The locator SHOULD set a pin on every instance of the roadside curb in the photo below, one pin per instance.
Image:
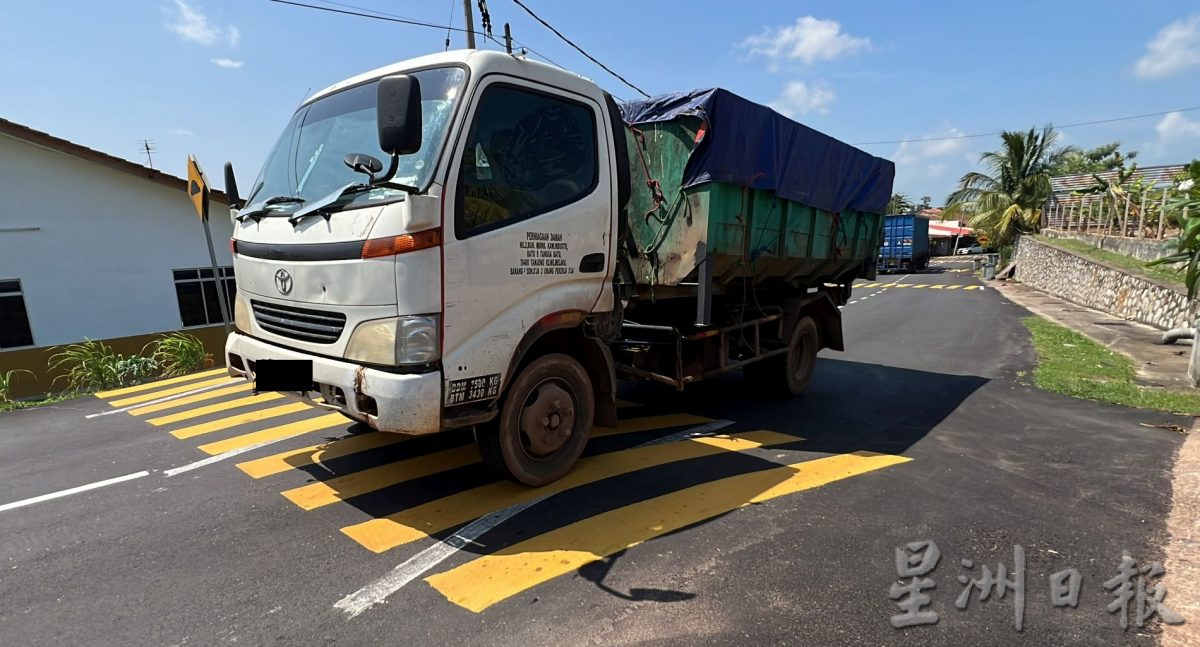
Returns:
(1182, 561)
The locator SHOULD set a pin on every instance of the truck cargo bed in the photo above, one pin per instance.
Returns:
(763, 196)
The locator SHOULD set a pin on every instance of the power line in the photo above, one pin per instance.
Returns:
(579, 49)
(388, 17)
(994, 134)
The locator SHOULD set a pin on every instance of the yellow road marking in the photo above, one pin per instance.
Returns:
(322, 493)
(937, 287)
(918, 286)
(340, 488)
(192, 399)
(973, 287)
(953, 287)
(275, 433)
(154, 385)
(240, 419)
(188, 414)
(487, 580)
(379, 535)
(646, 423)
(315, 454)
(868, 285)
(146, 397)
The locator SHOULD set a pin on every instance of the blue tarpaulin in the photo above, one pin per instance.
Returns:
(750, 145)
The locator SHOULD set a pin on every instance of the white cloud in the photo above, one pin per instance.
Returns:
(809, 40)
(911, 152)
(1174, 125)
(191, 24)
(799, 98)
(1173, 49)
(183, 132)
(227, 63)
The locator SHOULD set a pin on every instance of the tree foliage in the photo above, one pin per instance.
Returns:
(900, 203)
(1188, 249)
(1006, 199)
(1072, 160)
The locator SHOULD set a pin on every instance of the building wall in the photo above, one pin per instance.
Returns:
(94, 247)
(1101, 286)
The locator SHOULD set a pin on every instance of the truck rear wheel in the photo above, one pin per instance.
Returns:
(789, 373)
(543, 423)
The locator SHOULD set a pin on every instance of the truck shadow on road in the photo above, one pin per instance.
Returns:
(853, 412)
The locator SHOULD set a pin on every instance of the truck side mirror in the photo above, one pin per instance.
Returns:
(399, 115)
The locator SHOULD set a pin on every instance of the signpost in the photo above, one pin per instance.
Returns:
(198, 192)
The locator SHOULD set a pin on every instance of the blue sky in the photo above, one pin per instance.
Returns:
(219, 78)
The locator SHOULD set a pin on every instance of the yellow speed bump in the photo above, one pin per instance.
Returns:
(482, 582)
(157, 383)
(409, 525)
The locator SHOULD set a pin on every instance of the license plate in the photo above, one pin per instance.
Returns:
(283, 375)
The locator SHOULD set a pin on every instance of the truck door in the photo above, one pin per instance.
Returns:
(528, 221)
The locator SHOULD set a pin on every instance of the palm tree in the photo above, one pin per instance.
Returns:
(1007, 199)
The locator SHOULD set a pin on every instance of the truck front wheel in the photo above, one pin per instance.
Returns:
(543, 423)
(788, 373)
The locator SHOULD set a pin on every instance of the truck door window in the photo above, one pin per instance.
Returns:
(527, 153)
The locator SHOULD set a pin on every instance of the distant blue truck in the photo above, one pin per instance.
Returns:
(905, 245)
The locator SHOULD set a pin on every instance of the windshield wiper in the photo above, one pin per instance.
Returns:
(326, 206)
(266, 210)
(284, 199)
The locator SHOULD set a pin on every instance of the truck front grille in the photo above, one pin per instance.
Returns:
(318, 326)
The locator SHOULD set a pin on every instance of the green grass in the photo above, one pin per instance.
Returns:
(1133, 265)
(1071, 364)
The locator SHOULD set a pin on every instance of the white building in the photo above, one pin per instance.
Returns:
(98, 247)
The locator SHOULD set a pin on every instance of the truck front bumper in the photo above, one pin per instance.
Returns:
(407, 403)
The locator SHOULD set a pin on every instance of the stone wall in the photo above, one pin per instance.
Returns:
(1100, 286)
(1140, 248)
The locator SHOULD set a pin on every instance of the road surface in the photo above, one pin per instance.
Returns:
(256, 520)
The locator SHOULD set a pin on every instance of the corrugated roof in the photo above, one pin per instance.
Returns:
(1064, 185)
(46, 140)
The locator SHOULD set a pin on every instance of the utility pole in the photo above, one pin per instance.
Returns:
(470, 24)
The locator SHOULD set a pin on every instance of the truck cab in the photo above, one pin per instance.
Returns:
(428, 232)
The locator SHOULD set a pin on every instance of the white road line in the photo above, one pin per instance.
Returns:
(416, 566)
(419, 564)
(229, 454)
(166, 399)
(74, 490)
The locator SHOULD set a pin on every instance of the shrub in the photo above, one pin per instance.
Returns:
(178, 353)
(94, 365)
(6, 382)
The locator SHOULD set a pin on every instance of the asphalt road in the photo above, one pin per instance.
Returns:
(783, 533)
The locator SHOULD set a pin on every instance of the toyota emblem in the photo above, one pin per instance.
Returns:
(283, 281)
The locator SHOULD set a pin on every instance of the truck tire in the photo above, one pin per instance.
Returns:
(543, 423)
(788, 374)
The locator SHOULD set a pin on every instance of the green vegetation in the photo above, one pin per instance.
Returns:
(1132, 265)
(1188, 205)
(178, 354)
(7, 379)
(92, 365)
(1071, 364)
(1071, 160)
(1007, 200)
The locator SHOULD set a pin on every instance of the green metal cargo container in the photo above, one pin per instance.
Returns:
(746, 231)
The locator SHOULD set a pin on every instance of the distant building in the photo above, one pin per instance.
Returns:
(95, 246)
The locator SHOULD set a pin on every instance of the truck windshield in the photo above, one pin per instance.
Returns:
(306, 162)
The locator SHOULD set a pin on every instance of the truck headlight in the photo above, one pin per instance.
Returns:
(396, 341)
(241, 314)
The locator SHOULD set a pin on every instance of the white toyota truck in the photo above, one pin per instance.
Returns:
(473, 239)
